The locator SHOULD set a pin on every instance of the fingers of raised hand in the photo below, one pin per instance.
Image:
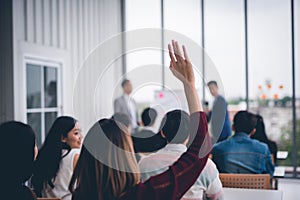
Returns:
(177, 51)
(185, 53)
(171, 54)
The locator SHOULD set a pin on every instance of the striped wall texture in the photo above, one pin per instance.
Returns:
(76, 27)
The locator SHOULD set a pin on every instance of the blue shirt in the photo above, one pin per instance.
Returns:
(220, 124)
(241, 154)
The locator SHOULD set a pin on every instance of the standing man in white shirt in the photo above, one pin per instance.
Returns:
(126, 104)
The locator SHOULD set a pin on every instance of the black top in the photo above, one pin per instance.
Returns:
(147, 141)
(273, 149)
(19, 193)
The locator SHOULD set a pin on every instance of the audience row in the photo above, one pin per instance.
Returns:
(115, 177)
(119, 160)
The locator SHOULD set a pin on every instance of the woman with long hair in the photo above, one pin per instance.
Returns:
(261, 135)
(57, 159)
(17, 155)
(107, 168)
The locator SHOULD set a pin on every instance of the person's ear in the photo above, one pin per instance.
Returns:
(186, 140)
(232, 127)
(63, 139)
(252, 132)
(36, 151)
(162, 134)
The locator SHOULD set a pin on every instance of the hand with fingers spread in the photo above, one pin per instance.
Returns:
(181, 67)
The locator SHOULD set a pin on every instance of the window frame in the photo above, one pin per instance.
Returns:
(43, 63)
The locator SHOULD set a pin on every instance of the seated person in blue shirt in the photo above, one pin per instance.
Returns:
(241, 154)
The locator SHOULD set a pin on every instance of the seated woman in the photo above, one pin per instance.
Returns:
(107, 168)
(17, 155)
(57, 159)
(261, 135)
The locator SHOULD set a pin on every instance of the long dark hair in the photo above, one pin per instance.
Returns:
(260, 133)
(16, 152)
(50, 155)
(92, 179)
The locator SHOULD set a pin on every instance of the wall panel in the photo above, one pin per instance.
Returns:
(73, 26)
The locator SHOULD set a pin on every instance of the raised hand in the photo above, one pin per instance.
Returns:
(181, 67)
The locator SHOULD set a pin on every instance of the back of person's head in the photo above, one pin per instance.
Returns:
(50, 155)
(244, 121)
(260, 133)
(107, 166)
(122, 118)
(149, 116)
(212, 83)
(17, 152)
(175, 126)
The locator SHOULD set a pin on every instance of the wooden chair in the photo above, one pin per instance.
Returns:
(250, 181)
(48, 199)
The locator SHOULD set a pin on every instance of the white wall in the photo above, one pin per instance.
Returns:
(66, 31)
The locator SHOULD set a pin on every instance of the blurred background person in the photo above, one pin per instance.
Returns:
(240, 154)
(260, 135)
(126, 104)
(145, 139)
(218, 116)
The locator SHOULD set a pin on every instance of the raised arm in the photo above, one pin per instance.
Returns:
(173, 183)
(182, 69)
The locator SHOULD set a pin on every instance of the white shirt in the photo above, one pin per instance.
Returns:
(62, 179)
(132, 110)
(208, 182)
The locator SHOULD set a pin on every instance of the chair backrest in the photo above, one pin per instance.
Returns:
(48, 199)
(251, 181)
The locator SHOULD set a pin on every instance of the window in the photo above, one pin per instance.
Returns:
(224, 43)
(270, 83)
(187, 24)
(43, 97)
(141, 14)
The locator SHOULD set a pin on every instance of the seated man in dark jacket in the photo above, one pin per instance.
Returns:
(241, 154)
(145, 139)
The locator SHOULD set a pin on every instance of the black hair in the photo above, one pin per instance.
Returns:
(212, 82)
(244, 121)
(17, 152)
(175, 126)
(148, 116)
(122, 118)
(124, 82)
(50, 155)
(260, 133)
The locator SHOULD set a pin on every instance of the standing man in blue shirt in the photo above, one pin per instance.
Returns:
(241, 154)
(218, 116)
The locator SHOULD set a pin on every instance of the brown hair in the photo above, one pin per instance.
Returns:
(93, 179)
